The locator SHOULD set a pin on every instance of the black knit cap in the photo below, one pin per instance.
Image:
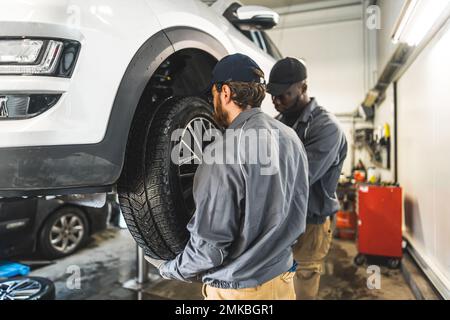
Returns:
(285, 73)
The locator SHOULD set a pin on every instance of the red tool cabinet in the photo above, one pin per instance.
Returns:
(379, 212)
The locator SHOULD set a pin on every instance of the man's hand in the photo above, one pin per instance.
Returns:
(155, 262)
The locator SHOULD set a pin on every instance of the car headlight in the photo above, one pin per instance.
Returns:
(20, 51)
(38, 57)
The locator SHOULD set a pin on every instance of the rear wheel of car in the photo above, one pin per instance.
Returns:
(155, 193)
(27, 288)
(64, 232)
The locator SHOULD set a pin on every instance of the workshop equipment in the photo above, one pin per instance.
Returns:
(12, 269)
(345, 225)
(379, 210)
(345, 218)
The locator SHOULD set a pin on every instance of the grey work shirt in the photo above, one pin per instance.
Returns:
(246, 222)
(326, 147)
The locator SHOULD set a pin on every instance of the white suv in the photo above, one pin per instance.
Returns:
(90, 92)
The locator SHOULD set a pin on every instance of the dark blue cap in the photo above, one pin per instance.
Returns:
(236, 68)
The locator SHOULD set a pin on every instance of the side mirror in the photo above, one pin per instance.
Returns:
(255, 17)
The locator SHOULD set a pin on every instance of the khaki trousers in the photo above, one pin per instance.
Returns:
(310, 252)
(279, 288)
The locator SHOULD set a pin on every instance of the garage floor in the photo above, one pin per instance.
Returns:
(109, 261)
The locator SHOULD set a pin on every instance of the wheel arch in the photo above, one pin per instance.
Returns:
(176, 42)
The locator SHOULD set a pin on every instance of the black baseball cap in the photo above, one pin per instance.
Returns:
(235, 68)
(284, 73)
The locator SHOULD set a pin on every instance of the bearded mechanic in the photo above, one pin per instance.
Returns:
(246, 220)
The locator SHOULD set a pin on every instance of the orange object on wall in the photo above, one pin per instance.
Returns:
(359, 176)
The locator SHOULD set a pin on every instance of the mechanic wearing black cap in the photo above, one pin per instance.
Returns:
(326, 148)
(243, 229)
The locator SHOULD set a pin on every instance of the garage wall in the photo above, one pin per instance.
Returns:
(384, 113)
(333, 52)
(423, 143)
(424, 154)
(331, 43)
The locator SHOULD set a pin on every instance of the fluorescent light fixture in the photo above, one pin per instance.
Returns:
(416, 20)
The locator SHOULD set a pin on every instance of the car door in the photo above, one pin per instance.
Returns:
(17, 219)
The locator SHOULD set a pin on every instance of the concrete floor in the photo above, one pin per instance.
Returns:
(109, 261)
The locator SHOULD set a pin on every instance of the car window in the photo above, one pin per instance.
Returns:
(253, 37)
(263, 41)
(271, 48)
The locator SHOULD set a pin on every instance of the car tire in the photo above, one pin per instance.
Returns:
(75, 233)
(155, 193)
(27, 288)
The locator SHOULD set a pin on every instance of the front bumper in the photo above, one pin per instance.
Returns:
(61, 169)
(66, 149)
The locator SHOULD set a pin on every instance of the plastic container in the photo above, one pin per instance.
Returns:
(12, 269)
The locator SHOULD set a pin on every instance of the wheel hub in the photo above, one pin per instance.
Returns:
(199, 133)
(66, 233)
(21, 289)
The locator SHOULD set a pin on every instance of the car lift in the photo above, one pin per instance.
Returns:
(138, 283)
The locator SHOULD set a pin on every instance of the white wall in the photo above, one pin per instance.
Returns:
(424, 153)
(334, 58)
(331, 43)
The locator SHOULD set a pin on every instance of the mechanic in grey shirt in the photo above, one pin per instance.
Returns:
(326, 148)
(248, 213)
